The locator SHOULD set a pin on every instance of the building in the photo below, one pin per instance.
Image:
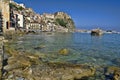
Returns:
(21, 5)
(48, 16)
(34, 26)
(5, 9)
(21, 20)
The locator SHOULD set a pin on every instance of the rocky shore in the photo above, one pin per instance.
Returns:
(26, 66)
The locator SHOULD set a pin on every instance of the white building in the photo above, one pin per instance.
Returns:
(21, 20)
(46, 15)
(35, 26)
(22, 5)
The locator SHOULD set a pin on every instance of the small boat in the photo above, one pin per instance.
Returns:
(96, 32)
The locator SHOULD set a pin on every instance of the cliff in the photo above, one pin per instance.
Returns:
(64, 20)
(59, 21)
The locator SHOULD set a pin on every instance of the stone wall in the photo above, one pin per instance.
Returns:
(6, 14)
(1, 56)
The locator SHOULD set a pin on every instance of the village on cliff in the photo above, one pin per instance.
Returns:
(15, 16)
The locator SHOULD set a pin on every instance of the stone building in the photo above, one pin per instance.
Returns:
(34, 26)
(5, 9)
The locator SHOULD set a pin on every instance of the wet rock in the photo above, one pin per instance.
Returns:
(1, 65)
(10, 76)
(30, 32)
(26, 66)
(67, 77)
(5, 40)
(112, 73)
(39, 47)
(10, 51)
(96, 32)
(117, 75)
(0, 74)
(55, 71)
(116, 61)
(64, 51)
(52, 71)
(21, 61)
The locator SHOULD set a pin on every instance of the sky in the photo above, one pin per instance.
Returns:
(86, 14)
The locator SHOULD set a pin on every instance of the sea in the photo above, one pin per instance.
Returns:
(83, 48)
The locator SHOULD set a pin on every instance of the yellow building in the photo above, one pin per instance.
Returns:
(4, 6)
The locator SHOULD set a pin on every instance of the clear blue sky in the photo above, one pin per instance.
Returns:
(85, 13)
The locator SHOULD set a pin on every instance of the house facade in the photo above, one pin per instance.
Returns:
(20, 21)
(5, 10)
(35, 26)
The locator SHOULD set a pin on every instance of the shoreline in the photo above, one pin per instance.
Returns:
(24, 65)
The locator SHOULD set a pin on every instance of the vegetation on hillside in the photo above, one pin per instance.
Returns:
(15, 7)
(61, 22)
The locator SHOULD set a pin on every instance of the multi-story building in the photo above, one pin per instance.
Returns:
(33, 25)
(12, 19)
(21, 20)
(5, 10)
(48, 16)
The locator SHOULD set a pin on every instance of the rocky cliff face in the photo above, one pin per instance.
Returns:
(64, 20)
(59, 21)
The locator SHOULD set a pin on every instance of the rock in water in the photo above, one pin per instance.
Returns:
(61, 71)
(113, 73)
(64, 51)
(96, 32)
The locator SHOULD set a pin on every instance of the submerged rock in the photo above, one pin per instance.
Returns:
(112, 73)
(26, 66)
(116, 61)
(39, 47)
(64, 51)
(60, 71)
(48, 71)
(21, 61)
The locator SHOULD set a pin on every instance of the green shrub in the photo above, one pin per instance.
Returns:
(13, 6)
(20, 8)
(61, 22)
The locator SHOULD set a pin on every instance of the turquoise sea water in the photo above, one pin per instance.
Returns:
(83, 48)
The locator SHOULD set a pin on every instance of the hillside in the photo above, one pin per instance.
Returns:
(59, 21)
